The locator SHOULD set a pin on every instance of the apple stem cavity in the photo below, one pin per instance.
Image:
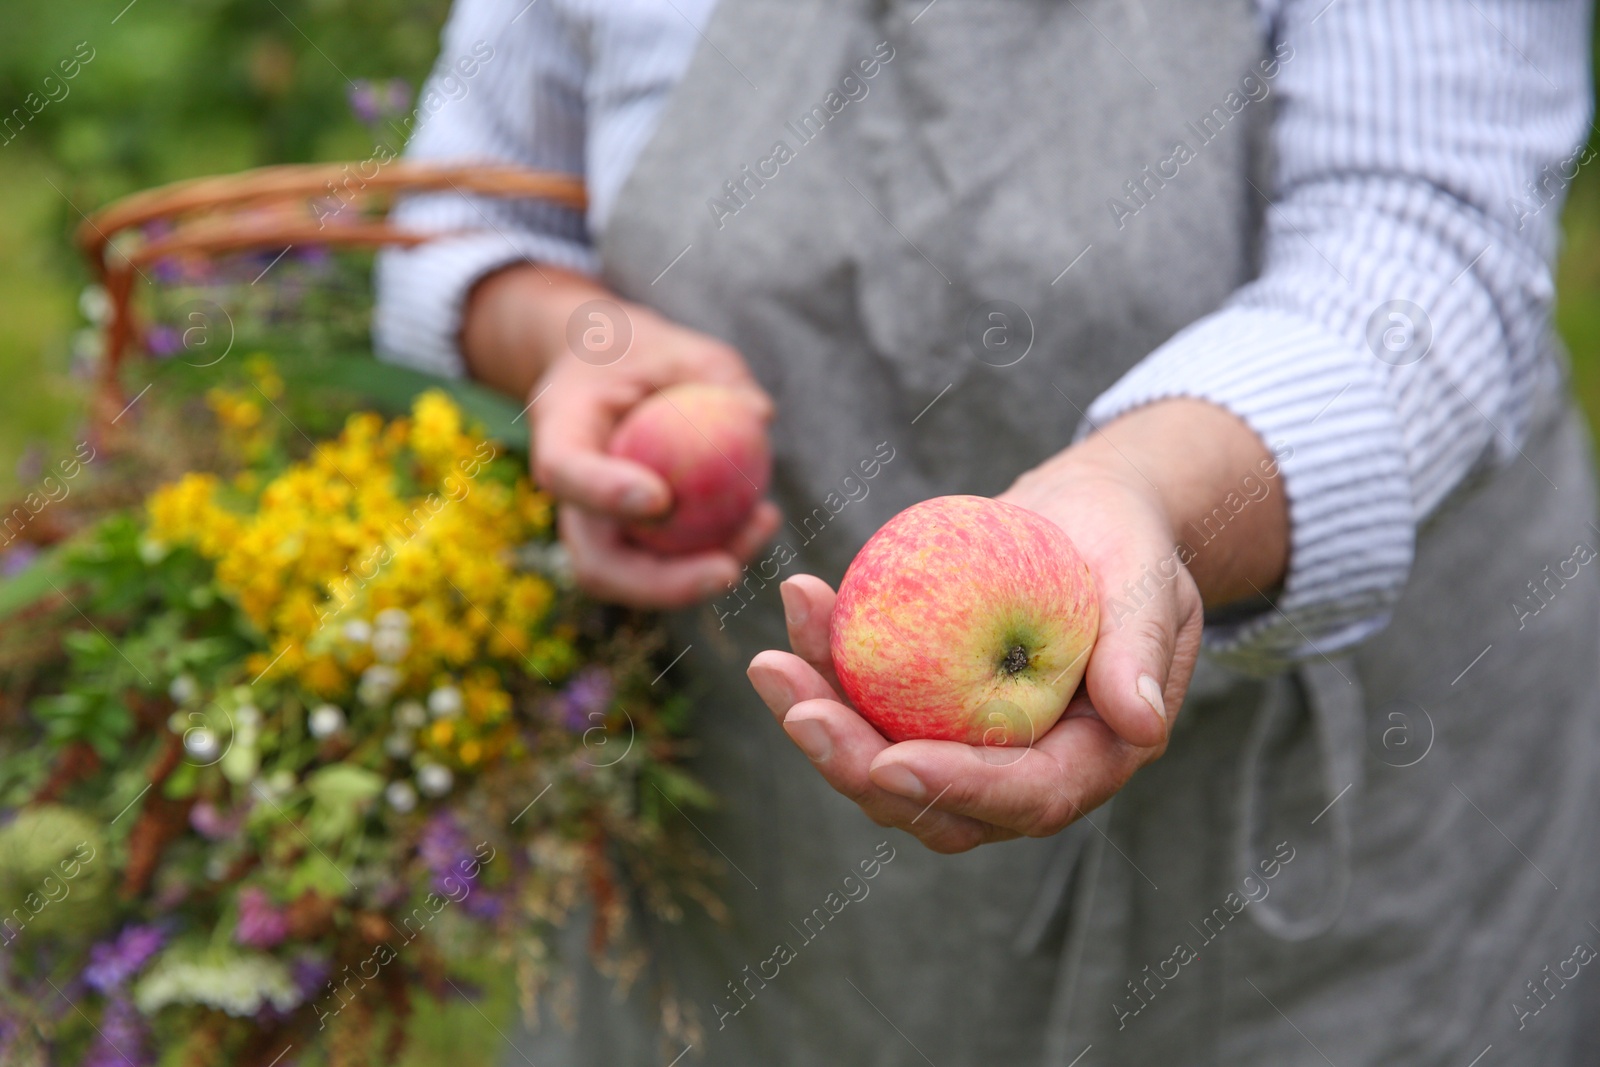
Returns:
(1016, 660)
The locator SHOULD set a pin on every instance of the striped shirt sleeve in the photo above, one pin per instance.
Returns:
(575, 86)
(1398, 332)
(522, 104)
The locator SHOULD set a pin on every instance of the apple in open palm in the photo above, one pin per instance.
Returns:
(964, 619)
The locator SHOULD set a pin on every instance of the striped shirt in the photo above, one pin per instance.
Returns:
(1392, 345)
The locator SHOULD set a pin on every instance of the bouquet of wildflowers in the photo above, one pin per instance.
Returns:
(310, 732)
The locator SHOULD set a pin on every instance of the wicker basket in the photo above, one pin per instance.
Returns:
(275, 207)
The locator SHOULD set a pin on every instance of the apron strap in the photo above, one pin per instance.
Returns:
(1089, 854)
(1331, 694)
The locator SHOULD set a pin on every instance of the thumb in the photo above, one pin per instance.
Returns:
(1141, 663)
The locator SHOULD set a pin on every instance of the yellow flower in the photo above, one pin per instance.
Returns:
(484, 699)
(235, 411)
(352, 530)
(436, 430)
(186, 512)
(324, 676)
(265, 375)
(533, 506)
(527, 598)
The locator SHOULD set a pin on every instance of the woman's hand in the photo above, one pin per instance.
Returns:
(1123, 496)
(519, 335)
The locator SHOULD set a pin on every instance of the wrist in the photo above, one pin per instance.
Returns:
(515, 322)
(1214, 481)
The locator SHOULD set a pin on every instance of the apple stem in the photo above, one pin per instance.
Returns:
(1015, 661)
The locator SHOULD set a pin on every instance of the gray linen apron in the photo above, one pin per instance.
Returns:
(1368, 860)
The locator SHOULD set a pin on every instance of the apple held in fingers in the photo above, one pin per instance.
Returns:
(964, 619)
(709, 443)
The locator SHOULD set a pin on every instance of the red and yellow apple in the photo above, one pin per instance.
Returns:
(964, 619)
(709, 444)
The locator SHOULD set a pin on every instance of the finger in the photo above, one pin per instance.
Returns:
(607, 567)
(757, 532)
(1141, 663)
(759, 401)
(841, 745)
(784, 680)
(705, 359)
(808, 611)
(1038, 791)
(570, 461)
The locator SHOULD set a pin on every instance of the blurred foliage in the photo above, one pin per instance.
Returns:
(177, 88)
(171, 89)
(184, 87)
(1578, 287)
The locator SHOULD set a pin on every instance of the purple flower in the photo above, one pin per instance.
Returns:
(111, 963)
(162, 341)
(317, 257)
(261, 925)
(17, 560)
(309, 971)
(364, 101)
(452, 864)
(397, 96)
(483, 905)
(122, 1039)
(210, 823)
(441, 846)
(372, 102)
(167, 270)
(586, 699)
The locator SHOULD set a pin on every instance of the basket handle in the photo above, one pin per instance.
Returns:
(267, 207)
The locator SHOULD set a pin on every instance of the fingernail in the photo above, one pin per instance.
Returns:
(795, 608)
(812, 737)
(772, 689)
(638, 500)
(1150, 690)
(896, 779)
(759, 402)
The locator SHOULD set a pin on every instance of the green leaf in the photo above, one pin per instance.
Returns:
(33, 584)
(315, 871)
(96, 717)
(331, 382)
(181, 783)
(340, 794)
(394, 388)
(676, 785)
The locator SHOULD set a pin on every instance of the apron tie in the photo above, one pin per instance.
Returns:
(1053, 888)
(1086, 859)
(1331, 695)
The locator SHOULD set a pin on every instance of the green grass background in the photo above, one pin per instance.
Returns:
(180, 88)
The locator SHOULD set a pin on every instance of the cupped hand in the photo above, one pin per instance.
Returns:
(577, 404)
(953, 796)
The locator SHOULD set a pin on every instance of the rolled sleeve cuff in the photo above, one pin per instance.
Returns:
(1322, 408)
(423, 291)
